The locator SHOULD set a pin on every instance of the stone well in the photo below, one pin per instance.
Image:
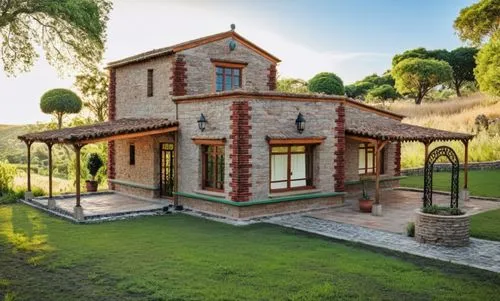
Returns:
(445, 230)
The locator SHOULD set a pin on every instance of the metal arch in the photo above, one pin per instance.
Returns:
(435, 154)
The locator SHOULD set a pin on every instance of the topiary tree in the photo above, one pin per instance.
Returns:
(415, 76)
(59, 102)
(94, 163)
(328, 83)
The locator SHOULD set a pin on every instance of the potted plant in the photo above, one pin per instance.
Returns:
(365, 203)
(94, 163)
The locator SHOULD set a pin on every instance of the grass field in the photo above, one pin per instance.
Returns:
(456, 115)
(178, 257)
(486, 225)
(481, 182)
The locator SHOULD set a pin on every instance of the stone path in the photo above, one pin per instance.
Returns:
(482, 254)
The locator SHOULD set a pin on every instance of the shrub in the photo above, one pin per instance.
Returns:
(7, 174)
(440, 210)
(410, 229)
(328, 83)
(94, 163)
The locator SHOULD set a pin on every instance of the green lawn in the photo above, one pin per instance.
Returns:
(481, 182)
(178, 257)
(486, 225)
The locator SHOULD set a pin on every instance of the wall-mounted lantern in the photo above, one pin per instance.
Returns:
(202, 122)
(300, 122)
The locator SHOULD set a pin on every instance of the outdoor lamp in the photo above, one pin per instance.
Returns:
(202, 122)
(300, 122)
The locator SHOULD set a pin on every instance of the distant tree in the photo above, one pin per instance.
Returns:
(328, 83)
(478, 22)
(72, 33)
(421, 53)
(383, 93)
(462, 61)
(487, 71)
(415, 76)
(292, 85)
(358, 89)
(60, 102)
(93, 87)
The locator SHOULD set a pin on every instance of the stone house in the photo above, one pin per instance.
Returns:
(216, 136)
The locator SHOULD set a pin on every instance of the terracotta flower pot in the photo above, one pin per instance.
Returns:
(91, 186)
(365, 205)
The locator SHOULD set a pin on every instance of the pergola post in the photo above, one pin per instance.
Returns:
(51, 203)
(377, 207)
(28, 194)
(78, 210)
(176, 169)
(426, 146)
(464, 195)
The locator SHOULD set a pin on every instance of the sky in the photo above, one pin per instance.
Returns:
(352, 38)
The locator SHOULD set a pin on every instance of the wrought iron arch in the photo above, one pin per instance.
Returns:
(435, 154)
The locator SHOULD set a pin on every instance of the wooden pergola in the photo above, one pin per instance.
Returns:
(379, 131)
(80, 136)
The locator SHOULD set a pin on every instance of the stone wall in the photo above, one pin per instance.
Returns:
(277, 118)
(451, 231)
(201, 70)
(131, 90)
(218, 115)
(447, 167)
(259, 210)
(356, 189)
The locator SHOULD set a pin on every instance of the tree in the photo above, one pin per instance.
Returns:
(488, 68)
(383, 93)
(415, 76)
(328, 83)
(93, 87)
(479, 21)
(292, 85)
(462, 61)
(358, 89)
(71, 32)
(60, 102)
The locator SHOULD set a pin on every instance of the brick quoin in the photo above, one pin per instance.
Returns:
(397, 160)
(179, 77)
(111, 116)
(271, 77)
(240, 155)
(339, 162)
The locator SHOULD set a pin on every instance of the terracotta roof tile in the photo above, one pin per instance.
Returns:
(99, 130)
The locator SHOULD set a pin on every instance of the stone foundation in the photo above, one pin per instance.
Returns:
(136, 191)
(450, 231)
(258, 210)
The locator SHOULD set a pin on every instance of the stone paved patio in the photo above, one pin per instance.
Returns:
(103, 206)
(398, 208)
(482, 254)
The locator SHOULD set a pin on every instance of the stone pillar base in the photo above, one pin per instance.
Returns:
(51, 203)
(377, 210)
(78, 213)
(464, 195)
(28, 195)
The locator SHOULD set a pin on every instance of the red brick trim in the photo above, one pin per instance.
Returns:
(339, 165)
(112, 95)
(111, 164)
(271, 77)
(240, 155)
(111, 116)
(397, 160)
(179, 77)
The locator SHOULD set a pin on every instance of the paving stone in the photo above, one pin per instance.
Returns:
(482, 254)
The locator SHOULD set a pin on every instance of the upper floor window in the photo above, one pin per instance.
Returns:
(227, 78)
(150, 82)
(291, 167)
